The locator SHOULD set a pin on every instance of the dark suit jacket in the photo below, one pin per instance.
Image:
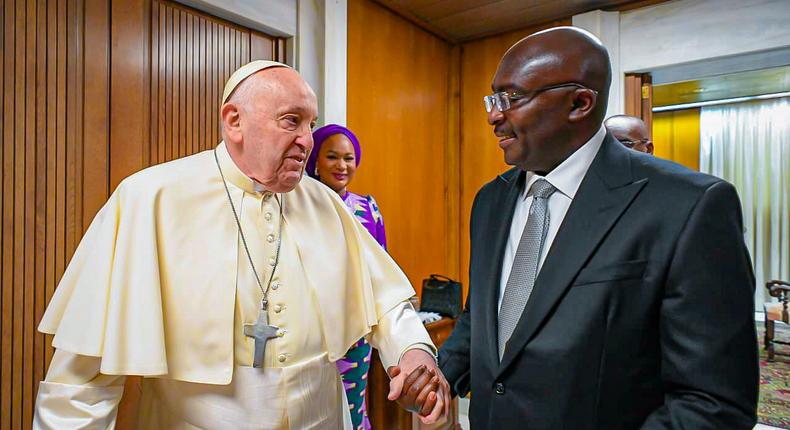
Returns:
(642, 315)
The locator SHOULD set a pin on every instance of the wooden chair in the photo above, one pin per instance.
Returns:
(775, 312)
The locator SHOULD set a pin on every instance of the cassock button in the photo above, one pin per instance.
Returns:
(270, 238)
(281, 358)
(280, 333)
(272, 261)
(278, 308)
(267, 216)
(275, 285)
(500, 388)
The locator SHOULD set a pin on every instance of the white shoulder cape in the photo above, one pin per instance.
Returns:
(151, 287)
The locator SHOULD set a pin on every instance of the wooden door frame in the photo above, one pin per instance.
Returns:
(639, 97)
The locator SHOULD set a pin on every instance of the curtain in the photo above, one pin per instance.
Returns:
(748, 145)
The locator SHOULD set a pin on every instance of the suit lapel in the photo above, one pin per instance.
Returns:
(605, 192)
(499, 218)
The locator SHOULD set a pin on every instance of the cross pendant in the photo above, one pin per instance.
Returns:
(261, 331)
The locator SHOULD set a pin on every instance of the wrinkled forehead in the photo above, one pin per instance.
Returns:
(289, 92)
(304, 103)
(632, 133)
(628, 128)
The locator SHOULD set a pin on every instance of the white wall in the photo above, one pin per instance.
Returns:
(309, 47)
(316, 41)
(335, 61)
(686, 31)
(275, 17)
(606, 25)
(321, 55)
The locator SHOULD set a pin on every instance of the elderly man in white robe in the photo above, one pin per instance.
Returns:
(231, 284)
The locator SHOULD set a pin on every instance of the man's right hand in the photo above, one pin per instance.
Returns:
(419, 392)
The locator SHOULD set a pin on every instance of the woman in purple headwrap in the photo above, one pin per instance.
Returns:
(333, 161)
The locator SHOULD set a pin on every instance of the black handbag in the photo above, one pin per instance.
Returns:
(442, 295)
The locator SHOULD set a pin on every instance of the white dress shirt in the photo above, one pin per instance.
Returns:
(566, 178)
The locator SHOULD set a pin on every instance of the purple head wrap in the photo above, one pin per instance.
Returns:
(322, 134)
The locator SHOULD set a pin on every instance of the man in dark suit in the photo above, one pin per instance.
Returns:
(608, 289)
(631, 131)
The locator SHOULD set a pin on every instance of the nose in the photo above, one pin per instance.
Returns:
(305, 141)
(495, 116)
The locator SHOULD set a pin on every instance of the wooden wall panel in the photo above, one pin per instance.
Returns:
(58, 104)
(54, 159)
(676, 136)
(453, 164)
(398, 83)
(481, 158)
(167, 80)
(129, 81)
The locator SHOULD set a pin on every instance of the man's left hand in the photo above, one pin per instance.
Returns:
(409, 391)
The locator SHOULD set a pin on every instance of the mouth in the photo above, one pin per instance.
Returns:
(505, 140)
(299, 159)
(340, 176)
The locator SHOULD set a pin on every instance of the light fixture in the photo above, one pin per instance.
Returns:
(720, 102)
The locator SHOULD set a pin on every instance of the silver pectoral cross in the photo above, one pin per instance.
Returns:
(261, 331)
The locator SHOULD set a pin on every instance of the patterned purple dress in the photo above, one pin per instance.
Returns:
(355, 365)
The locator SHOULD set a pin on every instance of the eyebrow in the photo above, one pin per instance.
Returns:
(510, 87)
(291, 109)
(332, 151)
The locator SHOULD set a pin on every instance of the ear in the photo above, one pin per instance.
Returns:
(231, 122)
(582, 104)
(650, 148)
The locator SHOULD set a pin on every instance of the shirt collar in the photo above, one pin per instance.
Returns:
(567, 177)
(234, 175)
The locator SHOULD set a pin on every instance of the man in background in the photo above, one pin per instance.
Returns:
(631, 131)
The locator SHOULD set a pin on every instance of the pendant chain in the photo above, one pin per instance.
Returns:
(281, 202)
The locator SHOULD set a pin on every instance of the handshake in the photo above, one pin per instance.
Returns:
(418, 386)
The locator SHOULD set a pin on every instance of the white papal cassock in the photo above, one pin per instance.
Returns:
(160, 286)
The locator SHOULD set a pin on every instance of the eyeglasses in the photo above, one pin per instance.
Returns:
(632, 143)
(504, 100)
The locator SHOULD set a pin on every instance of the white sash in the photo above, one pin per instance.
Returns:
(270, 398)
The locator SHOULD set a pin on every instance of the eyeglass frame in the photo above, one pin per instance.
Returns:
(632, 143)
(493, 100)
